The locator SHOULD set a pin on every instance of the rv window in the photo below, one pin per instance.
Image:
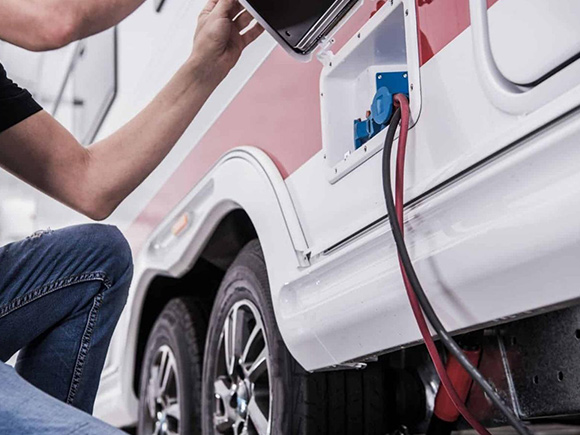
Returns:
(89, 87)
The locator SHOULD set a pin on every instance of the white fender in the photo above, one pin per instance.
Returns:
(262, 195)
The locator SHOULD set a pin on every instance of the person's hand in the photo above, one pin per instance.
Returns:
(218, 43)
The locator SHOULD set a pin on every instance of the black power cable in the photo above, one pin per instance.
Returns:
(432, 317)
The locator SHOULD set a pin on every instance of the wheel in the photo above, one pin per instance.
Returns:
(251, 383)
(170, 387)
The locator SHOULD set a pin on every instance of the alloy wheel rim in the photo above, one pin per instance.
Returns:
(242, 387)
(163, 398)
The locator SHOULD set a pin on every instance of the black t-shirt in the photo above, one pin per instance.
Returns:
(16, 104)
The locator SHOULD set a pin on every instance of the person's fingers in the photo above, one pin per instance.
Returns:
(227, 8)
(243, 20)
(209, 6)
(251, 35)
(236, 10)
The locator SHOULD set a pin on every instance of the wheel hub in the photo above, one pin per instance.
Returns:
(161, 417)
(243, 397)
(242, 386)
(163, 394)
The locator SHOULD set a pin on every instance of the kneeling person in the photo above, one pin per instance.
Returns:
(62, 292)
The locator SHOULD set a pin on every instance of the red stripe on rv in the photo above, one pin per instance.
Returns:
(278, 110)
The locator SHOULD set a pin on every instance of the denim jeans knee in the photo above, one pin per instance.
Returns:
(117, 250)
(106, 249)
(62, 293)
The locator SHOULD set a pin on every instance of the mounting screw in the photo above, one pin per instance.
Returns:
(324, 157)
(335, 170)
(406, 12)
(365, 148)
(411, 87)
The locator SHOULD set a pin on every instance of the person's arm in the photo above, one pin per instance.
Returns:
(48, 24)
(95, 180)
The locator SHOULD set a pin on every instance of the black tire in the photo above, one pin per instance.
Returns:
(334, 403)
(178, 333)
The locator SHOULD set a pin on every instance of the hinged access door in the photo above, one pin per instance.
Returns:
(299, 26)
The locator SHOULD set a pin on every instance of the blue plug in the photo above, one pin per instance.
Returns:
(378, 118)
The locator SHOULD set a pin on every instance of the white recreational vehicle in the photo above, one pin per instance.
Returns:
(267, 296)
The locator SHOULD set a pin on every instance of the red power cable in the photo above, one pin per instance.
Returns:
(402, 102)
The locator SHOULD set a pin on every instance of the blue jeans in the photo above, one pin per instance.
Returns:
(61, 295)
(26, 410)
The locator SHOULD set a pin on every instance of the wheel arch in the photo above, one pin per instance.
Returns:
(224, 214)
(232, 233)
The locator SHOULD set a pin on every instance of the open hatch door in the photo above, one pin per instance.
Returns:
(300, 26)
